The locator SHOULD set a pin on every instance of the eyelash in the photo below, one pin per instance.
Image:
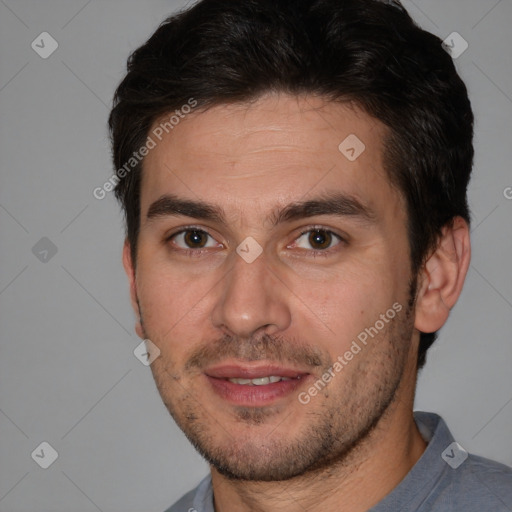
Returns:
(312, 252)
(315, 253)
(189, 252)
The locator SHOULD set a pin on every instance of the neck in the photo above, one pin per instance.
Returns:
(358, 482)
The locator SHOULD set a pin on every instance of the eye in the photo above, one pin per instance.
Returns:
(317, 240)
(193, 239)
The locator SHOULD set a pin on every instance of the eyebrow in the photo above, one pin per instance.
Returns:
(170, 205)
(337, 204)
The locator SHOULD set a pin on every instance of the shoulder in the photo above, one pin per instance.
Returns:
(486, 477)
(184, 504)
(199, 499)
(453, 480)
(478, 484)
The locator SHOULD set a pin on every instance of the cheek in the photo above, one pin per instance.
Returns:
(173, 303)
(343, 305)
(161, 296)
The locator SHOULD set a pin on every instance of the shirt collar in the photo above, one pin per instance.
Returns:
(411, 491)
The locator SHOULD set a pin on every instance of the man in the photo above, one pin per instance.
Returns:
(294, 176)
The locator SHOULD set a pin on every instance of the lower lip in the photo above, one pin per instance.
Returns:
(255, 396)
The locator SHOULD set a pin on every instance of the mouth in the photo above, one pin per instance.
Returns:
(260, 381)
(254, 385)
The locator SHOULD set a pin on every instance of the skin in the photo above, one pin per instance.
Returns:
(296, 303)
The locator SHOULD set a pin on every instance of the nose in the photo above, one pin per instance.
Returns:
(253, 300)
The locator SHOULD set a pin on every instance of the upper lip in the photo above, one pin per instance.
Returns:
(252, 371)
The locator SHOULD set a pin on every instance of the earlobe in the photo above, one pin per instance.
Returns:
(442, 277)
(130, 272)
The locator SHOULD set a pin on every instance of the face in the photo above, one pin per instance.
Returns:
(273, 275)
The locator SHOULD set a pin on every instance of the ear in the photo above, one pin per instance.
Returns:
(442, 277)
(130, 272)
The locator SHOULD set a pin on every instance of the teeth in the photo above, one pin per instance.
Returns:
(260, 381)
(241, 381)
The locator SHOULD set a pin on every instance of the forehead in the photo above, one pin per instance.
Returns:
(252, 157)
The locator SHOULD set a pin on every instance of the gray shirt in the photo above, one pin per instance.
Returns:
(445, 479)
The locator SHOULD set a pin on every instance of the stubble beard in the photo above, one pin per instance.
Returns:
(341, 418)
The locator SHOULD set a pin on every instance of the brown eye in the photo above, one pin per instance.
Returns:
(195, 239)
(320, 239)
(317, 240)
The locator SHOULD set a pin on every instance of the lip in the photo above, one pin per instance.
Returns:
(252, 371)
(253, 396)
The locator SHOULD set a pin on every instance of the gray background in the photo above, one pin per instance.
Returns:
(68, 375)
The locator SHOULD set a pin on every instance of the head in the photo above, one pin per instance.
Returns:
(243, 110)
